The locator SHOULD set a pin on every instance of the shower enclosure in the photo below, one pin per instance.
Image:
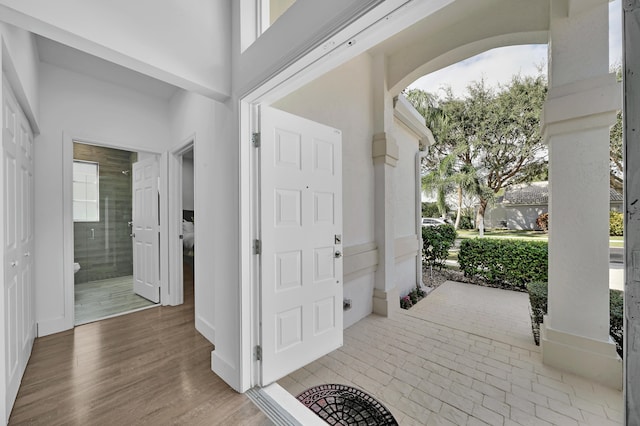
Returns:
(102, 243)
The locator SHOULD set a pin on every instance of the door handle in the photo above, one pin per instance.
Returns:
(337, 254)
(132, 235)
(27, 254)
(14, 263)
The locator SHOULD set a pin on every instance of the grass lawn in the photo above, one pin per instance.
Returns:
(522, 235)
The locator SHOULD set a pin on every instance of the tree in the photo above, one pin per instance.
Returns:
(437, 176)
(616, 168)
(494, 137)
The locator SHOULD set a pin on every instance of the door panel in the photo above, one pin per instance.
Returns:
(18, 190)
(301, 215)
(146, 242)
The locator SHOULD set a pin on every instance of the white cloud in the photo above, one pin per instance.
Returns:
(615, 32)
(497, 66)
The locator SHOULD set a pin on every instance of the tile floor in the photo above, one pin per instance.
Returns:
(462, 356)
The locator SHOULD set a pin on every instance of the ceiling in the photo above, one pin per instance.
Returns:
(66, 57)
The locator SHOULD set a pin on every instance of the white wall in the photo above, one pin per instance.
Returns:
(187, 184)
(216, 216)
(405, 177)
(21, 67)
(82, 107)
(186, 43)
(405, 208)
(303, 25)
(343, 99)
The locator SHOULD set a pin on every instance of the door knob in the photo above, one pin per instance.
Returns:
(27, 254)
(132, 235)
(14, 263)
(337, 254)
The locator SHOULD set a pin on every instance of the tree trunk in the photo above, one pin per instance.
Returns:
(480, 217)
(459, 212)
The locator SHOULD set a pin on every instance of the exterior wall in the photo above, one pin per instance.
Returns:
(91, 109)
(186, 43)
(405, 209)
(514, 217)
(524, 217)
(342, 99)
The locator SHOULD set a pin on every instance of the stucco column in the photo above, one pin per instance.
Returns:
(385, 156)
(581, 106)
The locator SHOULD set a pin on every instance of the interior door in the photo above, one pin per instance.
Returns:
(301, 242)
(17, 175)
(146, 226)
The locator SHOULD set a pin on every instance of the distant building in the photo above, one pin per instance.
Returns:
(521, 205)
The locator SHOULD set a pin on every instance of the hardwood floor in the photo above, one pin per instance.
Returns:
(96, 300)
(148, 367)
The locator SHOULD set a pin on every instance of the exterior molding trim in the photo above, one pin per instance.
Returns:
(593, 359)
(407, 248)
(385, 149)
(410, 117)
(360, 260)
(586, 104)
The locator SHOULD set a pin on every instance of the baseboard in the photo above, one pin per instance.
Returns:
(206, 329)
(226, 371)
(45, 328)
(582, 356)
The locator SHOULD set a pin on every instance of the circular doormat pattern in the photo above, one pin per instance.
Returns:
(346, 405)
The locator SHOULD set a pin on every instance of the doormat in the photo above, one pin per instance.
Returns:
(346, 405)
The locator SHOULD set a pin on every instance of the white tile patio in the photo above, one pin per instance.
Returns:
(462, 356)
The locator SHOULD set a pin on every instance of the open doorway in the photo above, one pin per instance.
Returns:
(102, 233)
(188, 219)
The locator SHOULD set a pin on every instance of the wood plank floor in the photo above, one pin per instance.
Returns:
(95, 300)
(148, 367)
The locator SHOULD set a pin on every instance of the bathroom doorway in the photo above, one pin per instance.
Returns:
(188, 217)
(102, 229)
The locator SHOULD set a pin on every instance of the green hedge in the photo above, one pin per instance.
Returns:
(616, 317)
(436, 242)
(616, 223)
(513, 263)
(538, 300)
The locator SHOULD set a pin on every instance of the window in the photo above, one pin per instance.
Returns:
(85, 191)
(257, 16)
(272, 10)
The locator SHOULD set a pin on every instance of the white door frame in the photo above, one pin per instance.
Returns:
(175, 294)
(387, 19)
(67, 321)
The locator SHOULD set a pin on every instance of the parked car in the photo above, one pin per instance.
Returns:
(433, 221)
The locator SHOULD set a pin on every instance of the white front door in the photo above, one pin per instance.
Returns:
(18, 189)
(301, 242)
(146, 226)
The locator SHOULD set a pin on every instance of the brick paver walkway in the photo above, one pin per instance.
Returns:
(462, 356)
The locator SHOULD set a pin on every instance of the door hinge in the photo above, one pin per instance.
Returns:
(255, 139)
(258, 353)
(257, 247)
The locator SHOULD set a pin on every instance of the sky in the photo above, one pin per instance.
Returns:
(497, 66)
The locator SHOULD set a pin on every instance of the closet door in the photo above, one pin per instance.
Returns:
(17, 176)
